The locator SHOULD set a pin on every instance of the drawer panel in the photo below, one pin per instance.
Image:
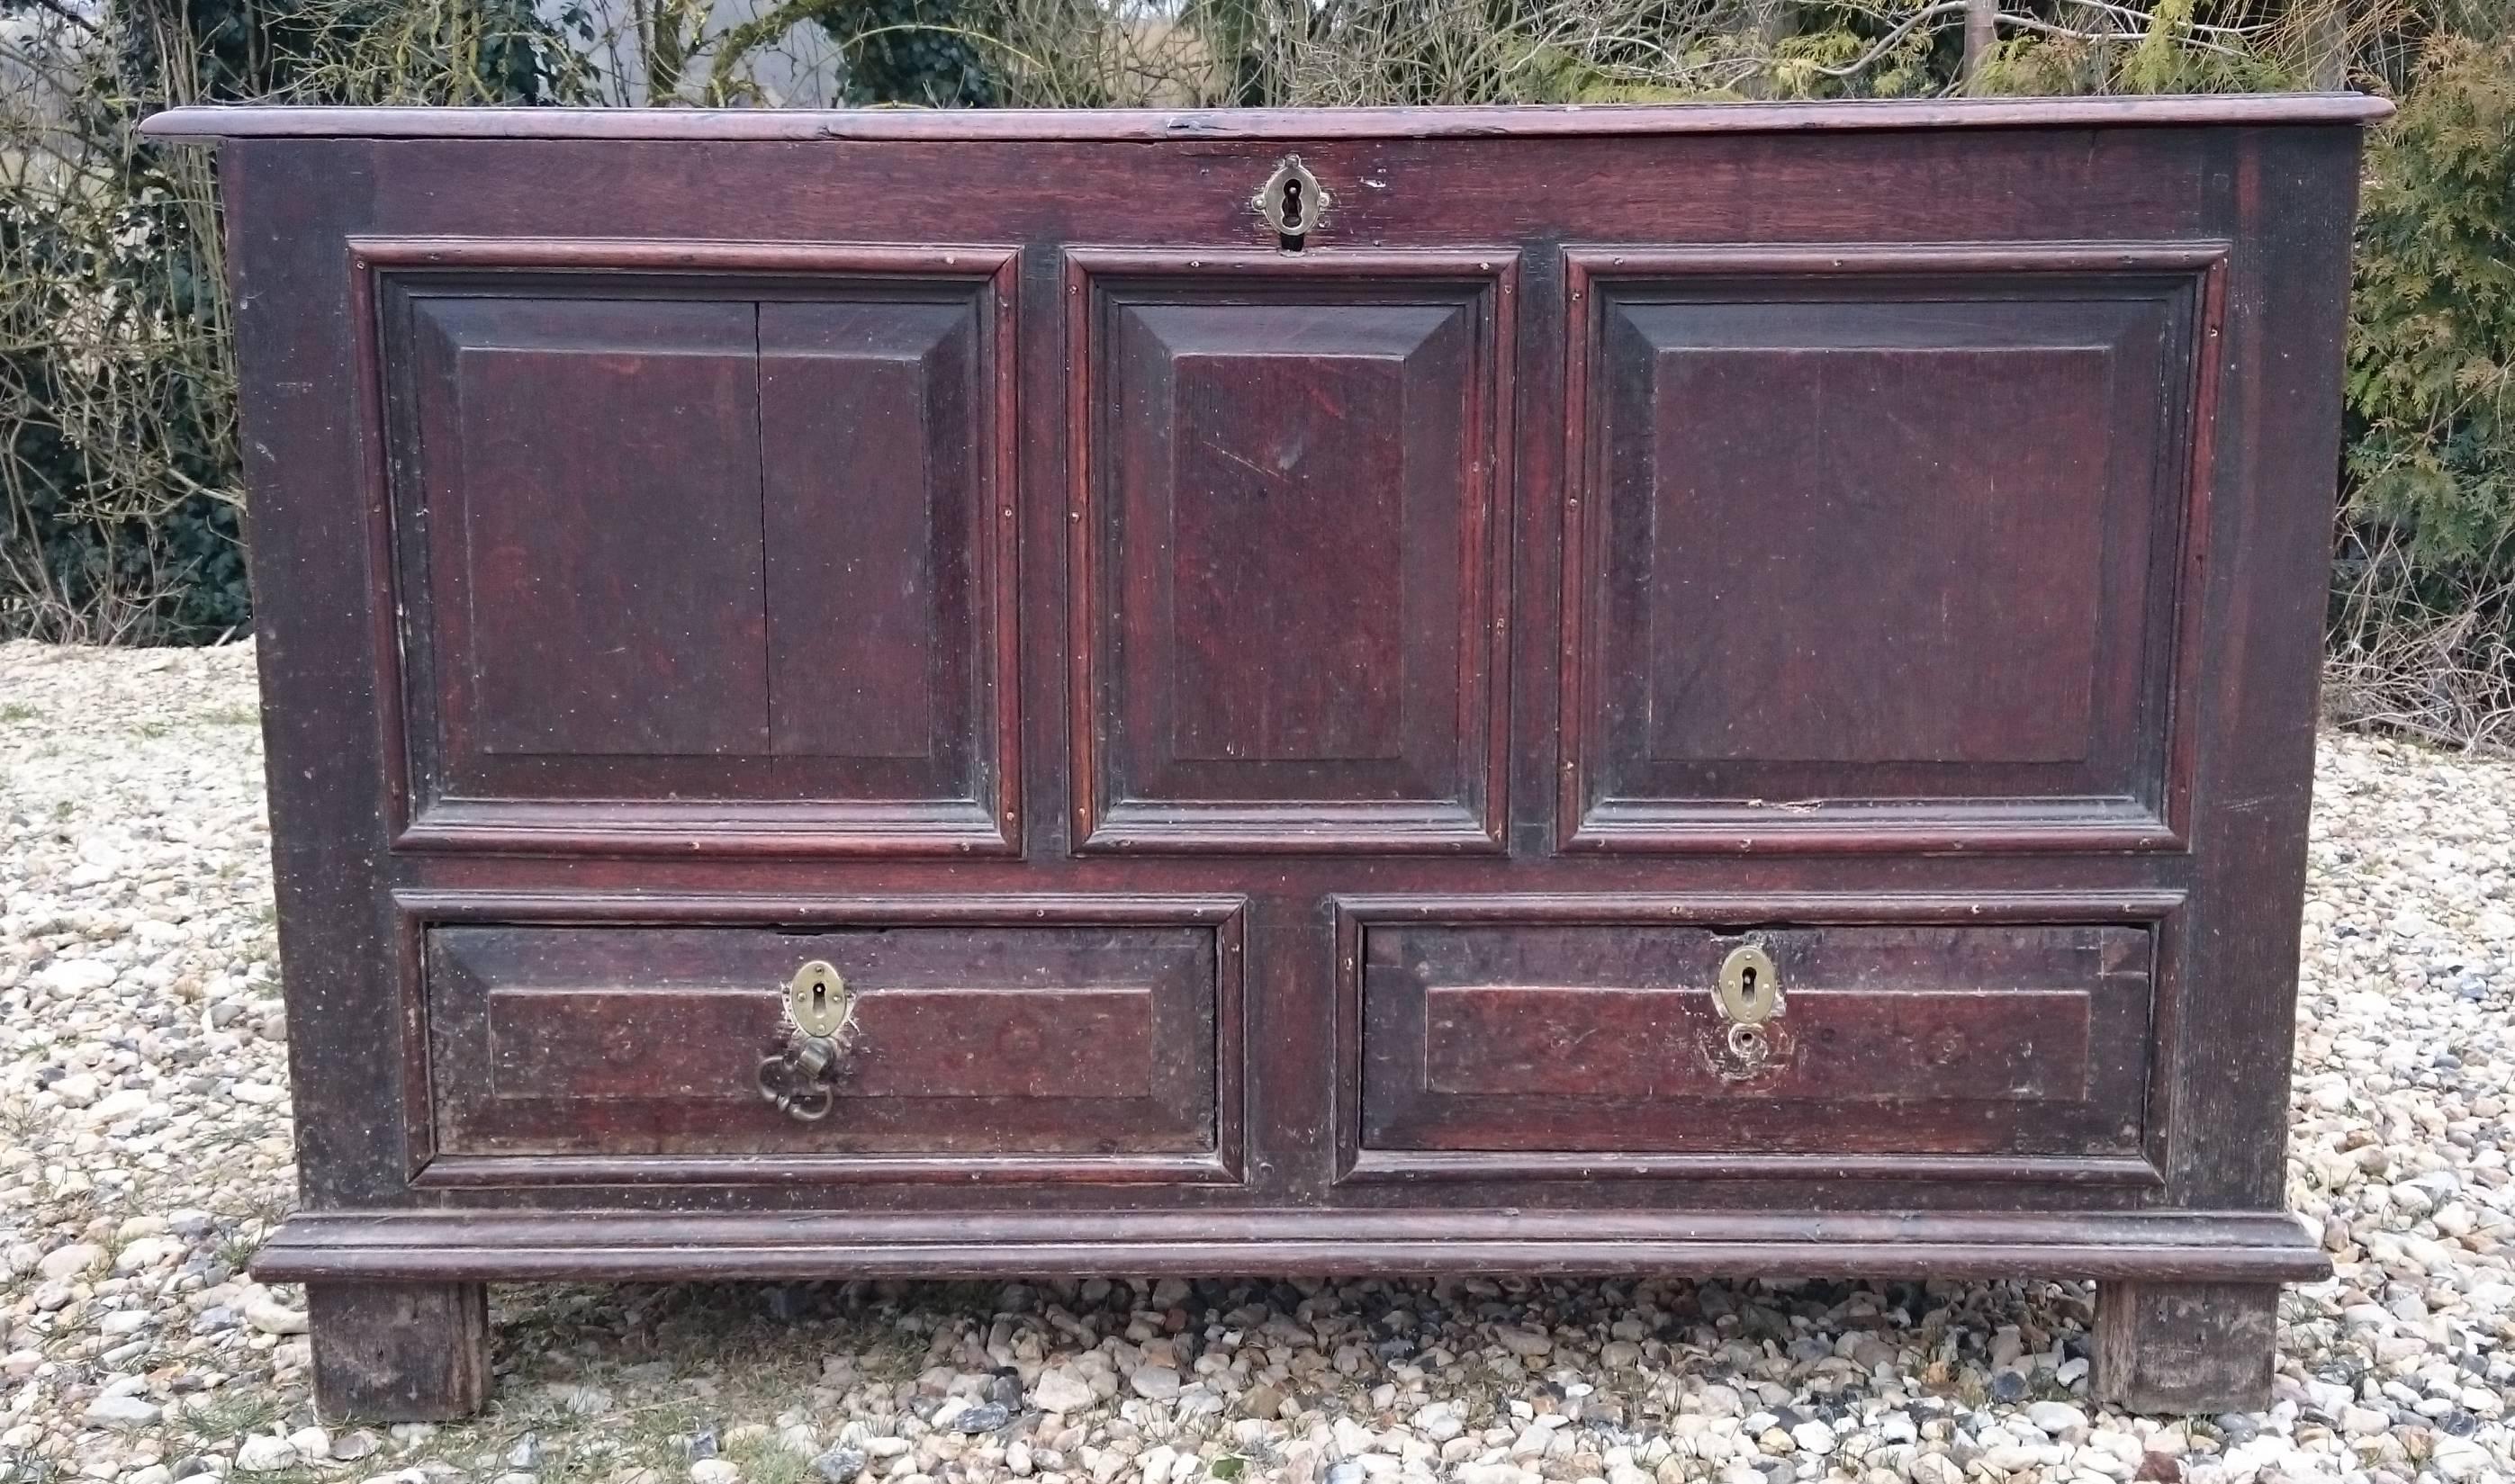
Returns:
(975, 1041)
(1891, 1039)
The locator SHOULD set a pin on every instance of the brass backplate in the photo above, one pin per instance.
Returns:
(1292, 200)
(818, 1001)
(1751, 989)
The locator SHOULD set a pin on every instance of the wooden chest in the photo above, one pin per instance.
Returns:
(1718, 690)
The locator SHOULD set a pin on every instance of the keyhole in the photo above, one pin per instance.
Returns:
(820, 997)
(1747, 982)
(1291, 206)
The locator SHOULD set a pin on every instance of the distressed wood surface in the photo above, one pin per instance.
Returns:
(398, 1352)
(974, 1040)
(1138, 124)
(2185, 1347)
(1282, 735)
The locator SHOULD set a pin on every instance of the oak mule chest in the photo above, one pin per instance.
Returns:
(1713, 689)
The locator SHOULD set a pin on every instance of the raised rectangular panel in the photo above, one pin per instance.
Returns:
(885, 602)
(1878, 547)
(1288, 553)
(636, 1043)
(1923, 1041)
(634, 429)
(708, 559)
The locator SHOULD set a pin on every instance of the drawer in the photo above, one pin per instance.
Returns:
(1888, 1039)
(967, 1041)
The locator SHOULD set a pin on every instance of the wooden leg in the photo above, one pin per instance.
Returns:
(2186, 1347)
(400, 1352)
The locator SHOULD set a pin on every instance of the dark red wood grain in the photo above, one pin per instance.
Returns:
(1889, 1039)
(1282, 737)
(987, 1039)
(1143, 124)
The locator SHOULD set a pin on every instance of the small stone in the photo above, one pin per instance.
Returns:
(986, 1417)
(352, 1446)
(2055, 1418)
(2461, 1459)
(1154, 1383)
(261, 1453)
(70, 1262)
(582, 1401)
(120, 1412)
(1061, 1391)
(117, 1105)
(713, 1471)
(840, 1465)
(310, 1443)
(273, 1317)
(2008, 1386)
(1527, 1343)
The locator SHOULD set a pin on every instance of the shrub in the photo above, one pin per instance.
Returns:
(2431, 383)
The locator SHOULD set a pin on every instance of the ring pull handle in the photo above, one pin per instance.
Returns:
(783, 1085)
(798, 1080)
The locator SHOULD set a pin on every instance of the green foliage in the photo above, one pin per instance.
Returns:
(2431, 383)
(344, 51)
(919, 52)
(119, 487)
(83, 425)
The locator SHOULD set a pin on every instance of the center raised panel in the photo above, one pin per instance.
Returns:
(1288, 552)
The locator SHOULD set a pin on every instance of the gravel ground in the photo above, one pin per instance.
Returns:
(145, 1148)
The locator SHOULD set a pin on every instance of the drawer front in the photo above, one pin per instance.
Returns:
(973, 1041)
(1887, 1040)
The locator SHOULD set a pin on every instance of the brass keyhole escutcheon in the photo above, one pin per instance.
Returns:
(818, 1001)
(1750, 988)
(1292, 200)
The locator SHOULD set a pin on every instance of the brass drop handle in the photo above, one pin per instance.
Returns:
(820, 1017)
(1749, 994)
